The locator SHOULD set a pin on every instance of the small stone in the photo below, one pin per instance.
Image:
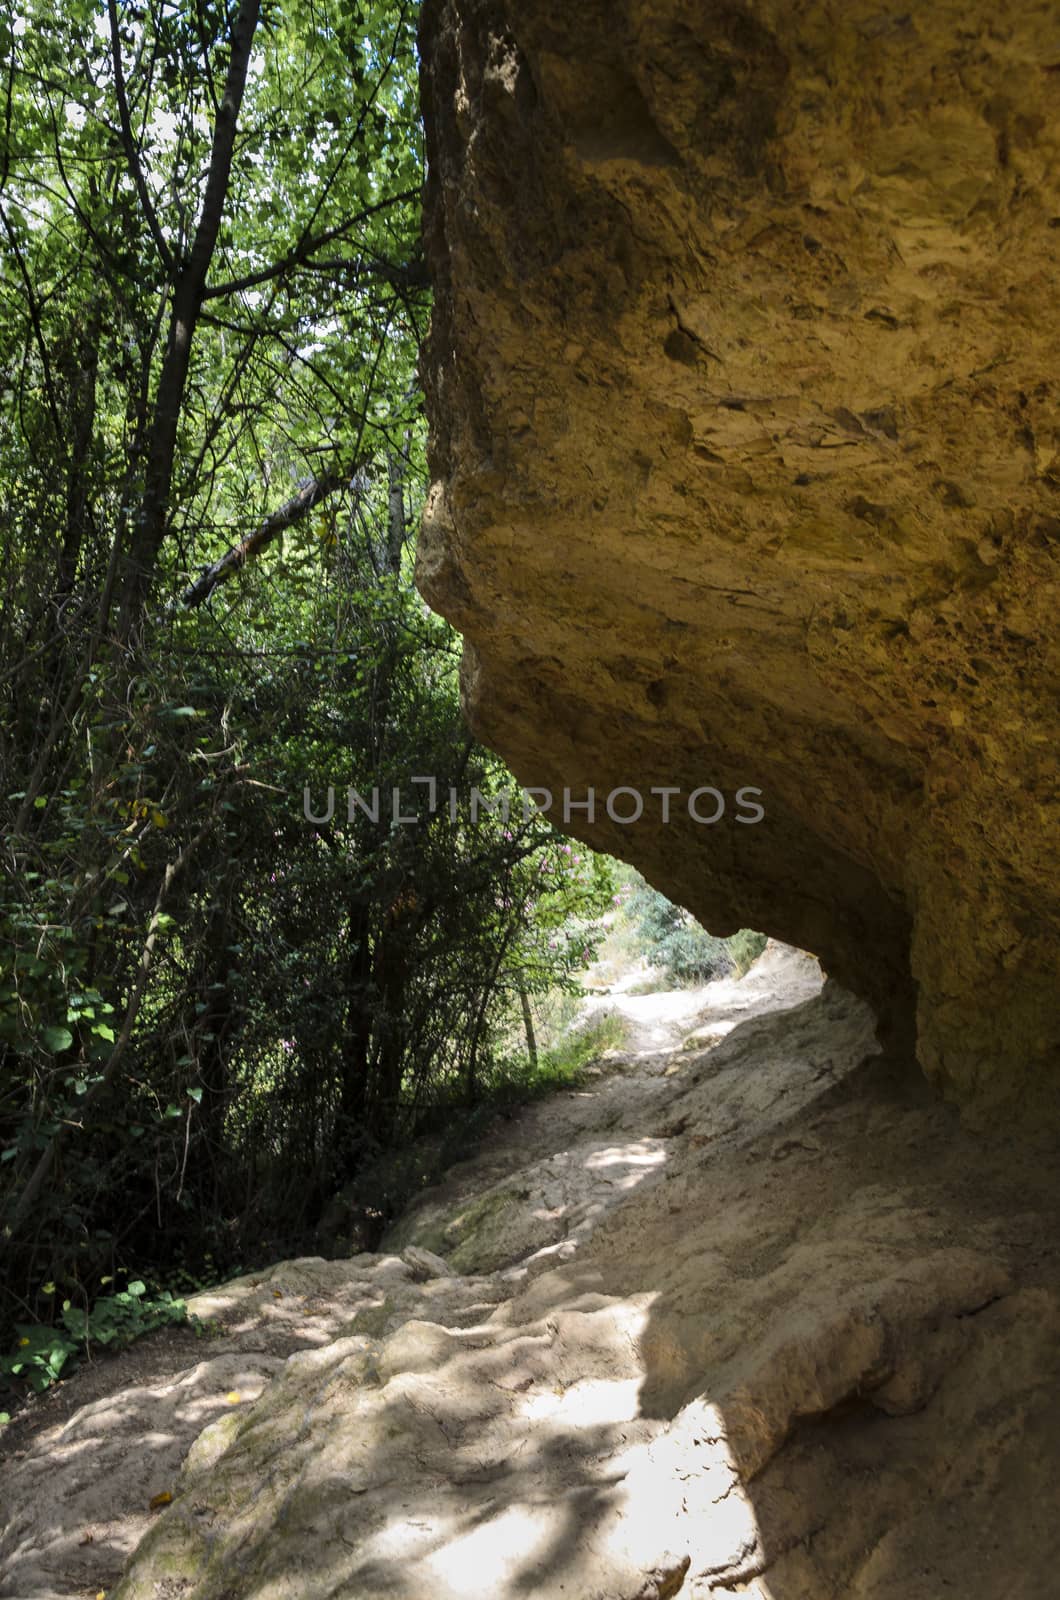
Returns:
(425, 1264)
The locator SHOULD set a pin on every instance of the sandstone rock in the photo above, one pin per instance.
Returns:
(526, 1218)
(743, 389)
(425, 1264)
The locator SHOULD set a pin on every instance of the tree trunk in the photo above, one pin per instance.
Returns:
(83, 377)
(397, 525)
(356, 1064)
(528, 1026)
(188, 292)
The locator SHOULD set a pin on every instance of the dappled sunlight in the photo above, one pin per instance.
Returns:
(643, 1154)
(85, 1492)
(517, 1539)
(533, 1486)
(654, 1415)
(571, 1483)
(684, 1489)
(593, 1402)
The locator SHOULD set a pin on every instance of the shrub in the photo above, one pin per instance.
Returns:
(41, 1353)
(745, 948)
(674, 941)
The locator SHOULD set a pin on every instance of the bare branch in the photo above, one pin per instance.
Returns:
(302, 252)
(132, 155)
(308, 496)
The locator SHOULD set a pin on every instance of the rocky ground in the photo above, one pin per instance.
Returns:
(749, 1313)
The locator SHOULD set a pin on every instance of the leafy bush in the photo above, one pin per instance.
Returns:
(673, 941)
(41, 1353)
(562, 1065)
(745, 948)
(451, 1130)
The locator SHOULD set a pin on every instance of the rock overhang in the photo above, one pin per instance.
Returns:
(742, 383)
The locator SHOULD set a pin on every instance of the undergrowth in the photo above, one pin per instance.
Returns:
(561, 1066)
(43, 1354)
(451, 1131)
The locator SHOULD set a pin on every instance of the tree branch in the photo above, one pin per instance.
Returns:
(188, 292)
(306, 248)
(32, 306)
(301, 504)
(132, 155)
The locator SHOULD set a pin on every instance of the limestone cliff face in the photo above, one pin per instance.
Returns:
(743, 385)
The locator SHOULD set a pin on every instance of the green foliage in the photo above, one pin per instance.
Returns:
(214, 1015)
(451, 1129)
(562, 1066)
(674, 940)
(42, 1354)
(675, 943)
(136, 1046)
(744, 948)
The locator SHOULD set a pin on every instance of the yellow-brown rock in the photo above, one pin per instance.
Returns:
(743, 385)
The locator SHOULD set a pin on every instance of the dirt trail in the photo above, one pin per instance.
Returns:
(750, 1314)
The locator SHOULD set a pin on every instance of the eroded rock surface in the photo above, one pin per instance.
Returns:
(813, 1352)
(743, 389)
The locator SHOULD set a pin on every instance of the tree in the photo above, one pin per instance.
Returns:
(211, 466)
(210, 300)
(674, 940)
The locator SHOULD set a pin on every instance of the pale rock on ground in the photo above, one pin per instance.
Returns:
(753, 1316)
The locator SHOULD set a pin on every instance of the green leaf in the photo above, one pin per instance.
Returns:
(56, 1039)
